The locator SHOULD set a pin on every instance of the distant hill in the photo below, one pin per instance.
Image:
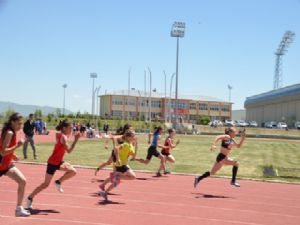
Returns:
(27, 109)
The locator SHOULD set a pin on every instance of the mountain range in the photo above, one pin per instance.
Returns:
(27, 109)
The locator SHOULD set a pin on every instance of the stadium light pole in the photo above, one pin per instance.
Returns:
(229, 89)
(145, 91)
(178, 30)
(97, 90)
(287, 39)
(93, 76)
(170, 99)
(128, 94)
(64, 100)
(150, 94)
(165, 109)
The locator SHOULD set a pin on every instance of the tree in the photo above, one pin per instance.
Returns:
(8, 113)
(38, 113)
(203, 120)
(58, 112)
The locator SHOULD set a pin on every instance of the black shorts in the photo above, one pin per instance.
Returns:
(3, 172)
(51, 169)
(165, 153)
(113, 156)
(122, 169)
(152, 151)
(220, 157)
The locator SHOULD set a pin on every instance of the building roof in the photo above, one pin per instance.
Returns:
(274, 94)
(138, 93)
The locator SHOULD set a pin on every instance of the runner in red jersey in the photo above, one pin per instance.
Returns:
(55, 161)
(169, 145)
(8, 146)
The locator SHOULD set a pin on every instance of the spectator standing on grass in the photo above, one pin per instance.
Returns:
(106, 128)
(28, 129)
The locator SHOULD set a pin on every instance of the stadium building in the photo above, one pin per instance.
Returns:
(136, 105)
(280, 105)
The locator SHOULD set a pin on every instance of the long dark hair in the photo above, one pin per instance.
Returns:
(7, 125)
(157, 129)
(126, 127)
(228, 130)
(62, 124)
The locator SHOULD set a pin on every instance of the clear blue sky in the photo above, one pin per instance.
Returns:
(47, 43)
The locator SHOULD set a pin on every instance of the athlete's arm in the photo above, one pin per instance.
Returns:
(5, 150)
(218, 138)
(64, 141)
(238, 145)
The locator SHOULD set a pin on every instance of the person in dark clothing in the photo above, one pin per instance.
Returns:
(106, 128)
(28, 129)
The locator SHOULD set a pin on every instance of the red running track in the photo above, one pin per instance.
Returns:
(150, 200)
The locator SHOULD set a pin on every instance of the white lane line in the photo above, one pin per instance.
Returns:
(149, 214)
(17, 219)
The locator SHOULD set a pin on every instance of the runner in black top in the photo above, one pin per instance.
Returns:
(227, 143)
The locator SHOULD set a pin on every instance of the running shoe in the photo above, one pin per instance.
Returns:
(167, 172)
(103, 194)
(29, 202)
(235, 184)
(158, 174)
(196, 181)
(96, 171)
(21, 212)
(116, 179)
(58, 186)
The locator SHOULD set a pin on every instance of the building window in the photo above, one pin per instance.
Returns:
(116, 113)
(225, 108)
(193, 117)
(130, 102)
(156, 104)
(192, 105)
(117, 101)
(214, 108)
(203, 106)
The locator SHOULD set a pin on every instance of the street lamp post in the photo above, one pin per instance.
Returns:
(93, 76)
(64, 100)
(178, 30)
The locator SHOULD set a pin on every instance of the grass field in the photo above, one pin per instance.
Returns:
(193, 156)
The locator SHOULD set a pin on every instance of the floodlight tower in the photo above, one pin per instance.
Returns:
(287, 39)
(178, 31)
(229, 89)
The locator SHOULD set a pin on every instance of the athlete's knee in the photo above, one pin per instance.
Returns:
(45, 185)
(22, 182)
(73, 171)
(236, 163)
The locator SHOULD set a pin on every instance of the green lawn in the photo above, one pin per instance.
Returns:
(193, 156)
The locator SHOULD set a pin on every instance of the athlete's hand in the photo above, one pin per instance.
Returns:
(20, 143)
(178, 142)
(77, 136)
(213, 147)
(16, 158)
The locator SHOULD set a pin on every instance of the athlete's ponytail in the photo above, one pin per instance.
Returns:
(8, 125)
(62, 124)
(157, 130)
(171, 130)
